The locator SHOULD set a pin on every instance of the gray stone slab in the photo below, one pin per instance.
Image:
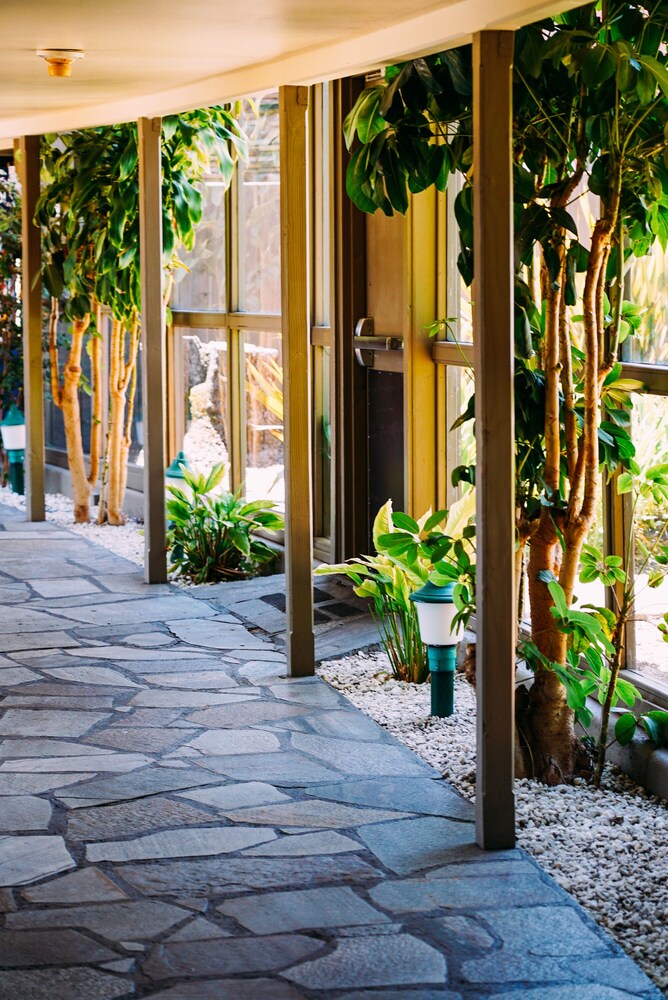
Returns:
(24, 784)
(313, 813)
(482, 893)
(190, 843)
(94, 675)
(46, 748)
(393, 960)
(493, 863)
(619, 973)
(404, 995)
(111, 762)
(53, 701)
(132, 818)
(149, 640)
(136, 785)
(138, 739)
(588, 991)
(230, 989)
(279, 768)
(311, 692)
(236, 796)
(345, 725)
(229, 956)
(420, 795)
(24, 722)
(131, 583)
(213, 634)
(199, 929)
(202, 879)
(25, 859)
(64, 587)
(202, 680)
(137, 659)
(10, 676)
(411, 845)
(274, 912)
(263, 672)
(220, 742)
(24, 812)
(248, 714)
(12, 642)
(46, 569)
(63, 984)
(148, 717)
(305, 844)
(132, 919)
(149, 609)
(188, 699)
(86, 885)
(20, 618)
(58, 947)
(353, 757)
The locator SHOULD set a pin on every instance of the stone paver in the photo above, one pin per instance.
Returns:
(181, 821)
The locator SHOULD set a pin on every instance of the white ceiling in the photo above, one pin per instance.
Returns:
(150, 57)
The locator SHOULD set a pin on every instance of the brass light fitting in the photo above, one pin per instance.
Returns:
(59, 61)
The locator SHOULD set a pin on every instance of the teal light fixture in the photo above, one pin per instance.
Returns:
(13, 429)
(436, 611)
(174, 472)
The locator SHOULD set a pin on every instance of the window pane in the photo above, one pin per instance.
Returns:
(649, 289)
(263, 373)
(204, 386)
(650, 436)
(322, 434)
(258, 212)
(203, 285)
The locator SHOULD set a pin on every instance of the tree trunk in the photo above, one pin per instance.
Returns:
(70, 407)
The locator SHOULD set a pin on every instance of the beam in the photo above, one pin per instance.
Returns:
(33, 377)
(293, 104)
(153, 348)
(495, 425)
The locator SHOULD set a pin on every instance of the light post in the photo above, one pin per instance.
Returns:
(174, 472)
(436, 611)
(13, 429)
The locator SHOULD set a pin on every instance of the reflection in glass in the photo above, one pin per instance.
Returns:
(258, 211)
(205, 399)
(201, 283)
(649, 430)
(649, 289)
(263, 371)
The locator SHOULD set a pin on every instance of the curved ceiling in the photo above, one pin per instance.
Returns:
(152, 57)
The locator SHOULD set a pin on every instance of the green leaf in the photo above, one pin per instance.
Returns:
(625, 728)
(405, 523)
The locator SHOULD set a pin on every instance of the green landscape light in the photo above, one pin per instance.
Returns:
(436, 611)
(174, 475)
(13, 429)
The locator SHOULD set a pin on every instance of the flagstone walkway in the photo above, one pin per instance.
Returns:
(179, 820)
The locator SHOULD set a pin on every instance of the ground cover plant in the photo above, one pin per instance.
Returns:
(590, 113)
(211, 532)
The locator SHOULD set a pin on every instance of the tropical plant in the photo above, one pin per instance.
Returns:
(211, 532)
(89, 213)
(11, 351)
(408, 553)
(590, 109)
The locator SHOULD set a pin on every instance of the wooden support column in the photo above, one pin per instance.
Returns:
(495, 462)
(33, 376)
(153, 348)
(293, 104)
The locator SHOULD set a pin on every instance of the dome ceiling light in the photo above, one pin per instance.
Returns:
(60, 61)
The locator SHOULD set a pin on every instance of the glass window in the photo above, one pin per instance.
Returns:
(258, 226)
(650, 435)
(202, 283)
(204, 385)
(649, 288)
(263, 375)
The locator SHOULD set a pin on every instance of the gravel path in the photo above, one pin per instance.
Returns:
(607, 847)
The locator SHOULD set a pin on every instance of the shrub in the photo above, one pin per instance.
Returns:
(211, 533)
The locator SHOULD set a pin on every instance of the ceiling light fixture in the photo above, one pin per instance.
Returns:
(60, 61)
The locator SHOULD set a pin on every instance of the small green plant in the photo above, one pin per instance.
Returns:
(211, 533)
(408, 553)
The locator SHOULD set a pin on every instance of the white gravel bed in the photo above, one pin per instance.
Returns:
(125, 540)
(608, 847)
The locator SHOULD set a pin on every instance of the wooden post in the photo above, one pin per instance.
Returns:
(33, 377)
(293, 104)
(153, 348)
(495, 462)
